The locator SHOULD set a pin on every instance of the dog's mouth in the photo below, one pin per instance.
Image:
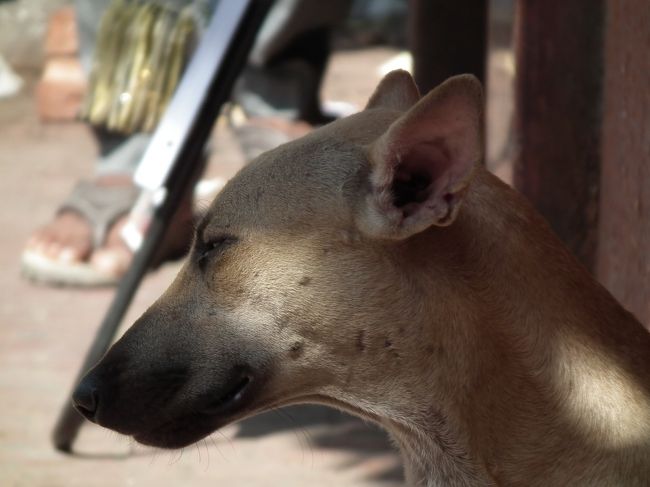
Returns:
(207, 414)
(235, 393)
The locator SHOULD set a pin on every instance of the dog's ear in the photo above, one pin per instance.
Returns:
(396, 91)
(422, 165)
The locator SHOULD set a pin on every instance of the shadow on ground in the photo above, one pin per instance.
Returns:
(326, 428)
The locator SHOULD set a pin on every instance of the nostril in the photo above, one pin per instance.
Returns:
(86, 399)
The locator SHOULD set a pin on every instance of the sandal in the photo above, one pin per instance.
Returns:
(101, 206)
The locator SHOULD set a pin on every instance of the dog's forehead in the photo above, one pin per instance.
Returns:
(311, 180)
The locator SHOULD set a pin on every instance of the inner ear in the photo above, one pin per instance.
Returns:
(422, 165)
(417, 177)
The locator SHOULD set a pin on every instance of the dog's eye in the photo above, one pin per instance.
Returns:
(213, 247)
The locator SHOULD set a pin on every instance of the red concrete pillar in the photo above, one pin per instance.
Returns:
(623, 263)
(557, 115)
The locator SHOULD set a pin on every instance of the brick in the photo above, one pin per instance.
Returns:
(61, 38)
(61, 89)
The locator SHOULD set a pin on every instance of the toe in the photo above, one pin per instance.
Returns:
(66, 238)
(114, 257)
(113, 261)
(39, 240)
(76, 248)
(52, 249)
(69, 255)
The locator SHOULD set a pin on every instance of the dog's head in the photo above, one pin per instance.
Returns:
(299, 286)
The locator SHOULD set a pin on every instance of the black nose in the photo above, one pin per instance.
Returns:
(86, 398)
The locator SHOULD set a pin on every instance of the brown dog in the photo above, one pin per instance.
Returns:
(375, 266)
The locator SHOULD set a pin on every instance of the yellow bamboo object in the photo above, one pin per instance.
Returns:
(128, 67)
(182, 39)
(108, 58)
(141, 50)
(107, 52)
(150, 87)
(138, 77)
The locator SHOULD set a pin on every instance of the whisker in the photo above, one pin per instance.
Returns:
(307, 440)
(304, 432)
(229, 440)
(300, 442)
(207, 453)
(174, 461)
(153, 457)
(214, 443)
(198, 450)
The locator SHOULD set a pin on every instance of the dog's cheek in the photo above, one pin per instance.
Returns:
(230, 278)
(296, 298)
(249, 288)
(272, 289)
(260, 274)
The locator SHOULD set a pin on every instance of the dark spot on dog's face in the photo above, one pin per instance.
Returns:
(259, 193)
(435, 350)
(360, 342)
(388, 345)
(296, 350)
(304, 281)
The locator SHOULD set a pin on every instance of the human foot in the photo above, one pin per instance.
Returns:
(68, 237)
(82, 245)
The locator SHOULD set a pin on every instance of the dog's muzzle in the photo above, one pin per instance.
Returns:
(166, 387)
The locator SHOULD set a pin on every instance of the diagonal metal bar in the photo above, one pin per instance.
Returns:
(172, 159)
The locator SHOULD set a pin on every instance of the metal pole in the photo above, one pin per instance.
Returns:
(240, 20)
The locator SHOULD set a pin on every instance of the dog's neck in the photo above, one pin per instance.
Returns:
(528, 353)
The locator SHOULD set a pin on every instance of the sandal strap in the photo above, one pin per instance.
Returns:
(100, 205)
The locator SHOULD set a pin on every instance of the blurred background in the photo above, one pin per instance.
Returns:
(83, 84)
